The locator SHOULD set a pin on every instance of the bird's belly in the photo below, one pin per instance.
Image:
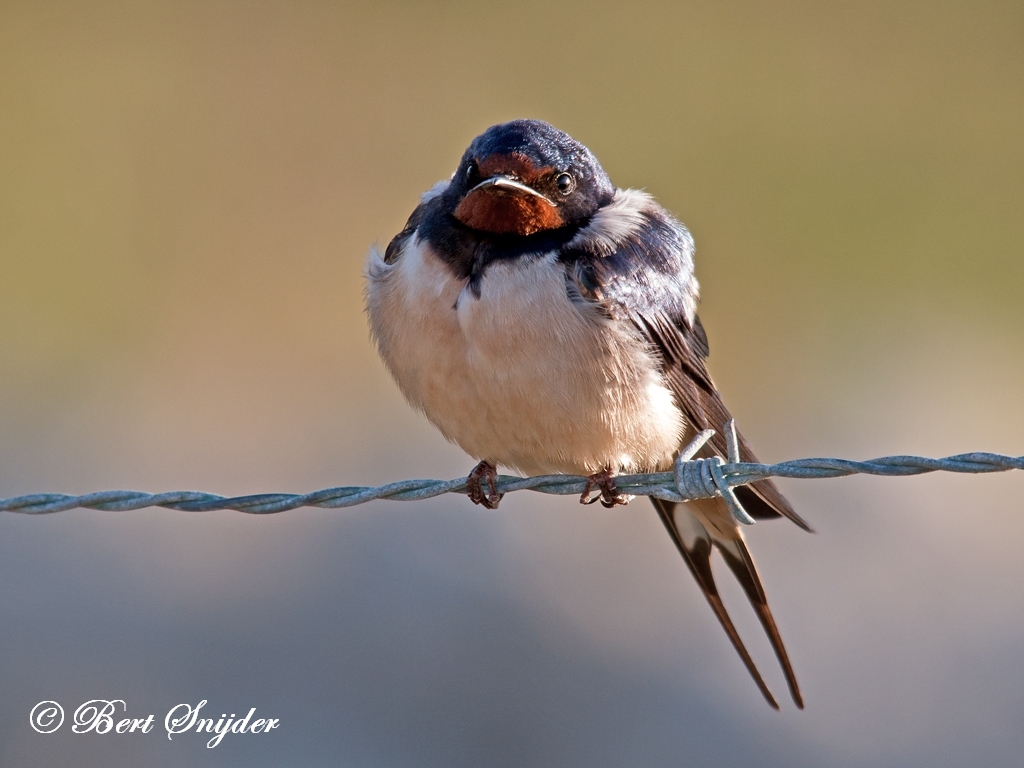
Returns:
(520, 375)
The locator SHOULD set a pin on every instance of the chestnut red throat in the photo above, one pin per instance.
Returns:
(505, 209)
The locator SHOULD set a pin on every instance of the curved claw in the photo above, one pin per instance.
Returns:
(484, 471)
(609, 495)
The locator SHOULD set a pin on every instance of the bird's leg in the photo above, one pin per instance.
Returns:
(484, 471)
(610, 496)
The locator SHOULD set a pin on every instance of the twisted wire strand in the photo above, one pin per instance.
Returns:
(690, 479)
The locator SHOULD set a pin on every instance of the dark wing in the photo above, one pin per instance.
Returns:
(683, 350)
(398, 242)
(648, 280)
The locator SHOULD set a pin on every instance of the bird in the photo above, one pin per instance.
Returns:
(546, 321)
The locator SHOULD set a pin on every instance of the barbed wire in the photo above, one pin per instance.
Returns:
(689, 479)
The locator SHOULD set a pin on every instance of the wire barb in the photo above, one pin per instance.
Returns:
(690, 478)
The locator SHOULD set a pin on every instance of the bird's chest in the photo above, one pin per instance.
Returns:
(516, 372)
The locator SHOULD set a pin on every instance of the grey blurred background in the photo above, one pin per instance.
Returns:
(187, 193)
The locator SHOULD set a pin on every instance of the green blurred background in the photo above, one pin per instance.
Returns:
(187, 194)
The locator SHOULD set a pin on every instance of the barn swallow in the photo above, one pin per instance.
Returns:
(546, 321)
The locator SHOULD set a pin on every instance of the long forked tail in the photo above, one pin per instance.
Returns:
(695, 541)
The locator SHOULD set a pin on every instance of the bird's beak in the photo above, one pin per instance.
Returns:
(500, 183)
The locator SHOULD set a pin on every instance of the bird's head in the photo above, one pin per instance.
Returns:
(524, 177)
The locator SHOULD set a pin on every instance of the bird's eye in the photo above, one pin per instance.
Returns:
(472, 172)
(565, 183)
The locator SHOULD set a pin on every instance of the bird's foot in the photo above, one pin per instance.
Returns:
(484, 471)
(609, 495)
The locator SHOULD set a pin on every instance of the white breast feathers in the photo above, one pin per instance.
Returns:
(520, 375)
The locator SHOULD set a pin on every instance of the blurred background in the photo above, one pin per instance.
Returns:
(187, 194)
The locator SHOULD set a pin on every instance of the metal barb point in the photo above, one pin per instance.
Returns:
(732, 442)
(695, 445)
